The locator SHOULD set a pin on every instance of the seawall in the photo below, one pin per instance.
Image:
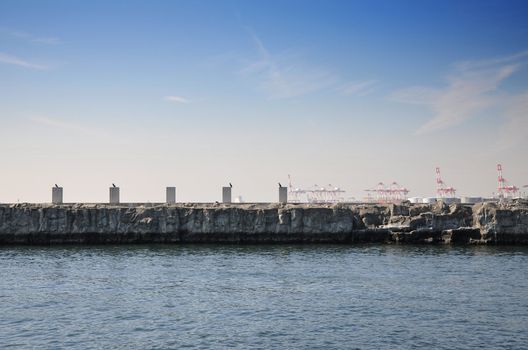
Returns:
(483, 223)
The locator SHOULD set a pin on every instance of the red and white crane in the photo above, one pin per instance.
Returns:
(442, 190)
(295, 194)
(394, 193)
(397, 193)
(505, 190)
(316, 194)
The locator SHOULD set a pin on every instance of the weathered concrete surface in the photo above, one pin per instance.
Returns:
(266, 223)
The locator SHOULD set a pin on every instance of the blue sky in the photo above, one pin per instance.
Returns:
(196, 94)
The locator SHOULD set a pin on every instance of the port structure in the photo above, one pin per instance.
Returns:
(315, 194)
(295, 194)
(505, 190)
(442, 190)
(393, 193)
(328, 194)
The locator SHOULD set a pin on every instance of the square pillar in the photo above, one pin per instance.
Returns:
(171, 195)
(283, 194)
(226, 194)
(56, 195)
(114, 195)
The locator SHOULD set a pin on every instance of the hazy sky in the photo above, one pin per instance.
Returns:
(196, 94)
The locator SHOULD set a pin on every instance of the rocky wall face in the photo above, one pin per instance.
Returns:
(506, 223)
(341, 223)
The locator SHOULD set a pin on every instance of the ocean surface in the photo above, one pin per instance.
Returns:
(267, 297)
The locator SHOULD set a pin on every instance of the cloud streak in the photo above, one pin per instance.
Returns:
(513, 131)
(32, 38)
(285, 76)
(472, 88)
(47, 41)
(359, 88)
(14, 60)
(177, 99)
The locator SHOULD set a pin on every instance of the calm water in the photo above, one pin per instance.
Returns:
(327, 297)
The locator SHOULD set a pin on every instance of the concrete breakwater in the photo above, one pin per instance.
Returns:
(264, 223)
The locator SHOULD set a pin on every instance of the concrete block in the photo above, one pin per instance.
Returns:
(171, 195)
(226, 194)
(114, 195)
(283, 194)
(56, 195)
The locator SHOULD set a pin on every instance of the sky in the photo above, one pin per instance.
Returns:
(197, 94)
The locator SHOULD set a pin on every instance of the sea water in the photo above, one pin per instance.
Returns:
(279, 296)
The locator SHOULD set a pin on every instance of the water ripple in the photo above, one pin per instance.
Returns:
(319, 297)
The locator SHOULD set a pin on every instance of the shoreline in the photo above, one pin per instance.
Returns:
(264, 223)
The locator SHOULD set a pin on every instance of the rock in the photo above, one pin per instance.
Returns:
(506, 223)
(417, 209)
(399, 210)
(461, 235)
(374, 216)
(256, 223)
(423, 235)
(422, 221)
(439, 208)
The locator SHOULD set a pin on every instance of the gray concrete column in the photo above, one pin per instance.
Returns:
(114, 195)
(56, 195)
(171, 195)
(283, 194)
(226, 194)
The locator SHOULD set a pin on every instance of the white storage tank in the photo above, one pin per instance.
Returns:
(449, 200)
(471, 200)
(415, 200)
(429, 200)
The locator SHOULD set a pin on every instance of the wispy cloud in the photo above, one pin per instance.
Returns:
(284, 76)
(359, 88)
(513, 131)
(32, 38)
(472, 88)
(177, 99)
(14, 60)
(47, 41)
(467, 65)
